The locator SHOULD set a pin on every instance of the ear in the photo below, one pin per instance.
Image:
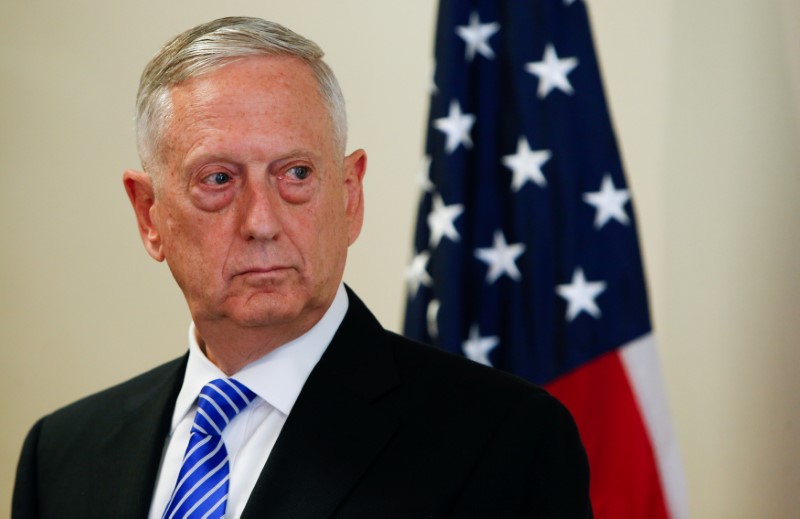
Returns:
(139, 187)
(355, 165)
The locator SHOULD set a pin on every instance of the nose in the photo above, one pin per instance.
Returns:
(260, 211)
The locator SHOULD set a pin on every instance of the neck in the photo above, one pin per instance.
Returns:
(232, 344)
(231, 347)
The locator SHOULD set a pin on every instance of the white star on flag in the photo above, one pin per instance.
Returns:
(424, 175)
(476, 35)
(580, 295)
(432, 315)
(417, 273)
(609, 202)
(478, 348)
(552, 71)
(526, 165)
(501, 258)
(441, 220)
(456, 126)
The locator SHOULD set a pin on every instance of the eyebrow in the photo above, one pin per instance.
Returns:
(225, 157)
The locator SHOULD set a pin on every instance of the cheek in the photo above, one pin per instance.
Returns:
(192, 241)
(334, 234)
(321, 236)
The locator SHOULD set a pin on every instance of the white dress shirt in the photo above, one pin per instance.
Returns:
(276, 378)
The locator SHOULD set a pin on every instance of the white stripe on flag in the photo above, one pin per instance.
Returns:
(640, 359)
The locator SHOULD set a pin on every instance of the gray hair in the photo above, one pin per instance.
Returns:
(211, 46)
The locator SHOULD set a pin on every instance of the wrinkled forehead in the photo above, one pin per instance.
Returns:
(274, 100)
(265, 80)
(264, 83)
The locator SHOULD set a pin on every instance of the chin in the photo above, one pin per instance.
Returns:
(265, 310)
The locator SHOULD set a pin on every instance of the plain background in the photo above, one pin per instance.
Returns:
(705, 96)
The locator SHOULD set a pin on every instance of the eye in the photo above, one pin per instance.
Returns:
(219, 178)
(300, 172)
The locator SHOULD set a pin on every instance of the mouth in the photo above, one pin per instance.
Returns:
(262, 274)
(261, 271)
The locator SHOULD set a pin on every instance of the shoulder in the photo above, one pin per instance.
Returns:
(119, 399)
(467, 392)
(521, 444)
(84, 446)
(435, 367)
(436, 379)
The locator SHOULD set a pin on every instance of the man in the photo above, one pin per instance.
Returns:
(247, 195)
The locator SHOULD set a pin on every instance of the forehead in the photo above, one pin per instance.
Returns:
(262, 73)
(274, 95)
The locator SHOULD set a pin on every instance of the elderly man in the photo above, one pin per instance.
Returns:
(292, 400)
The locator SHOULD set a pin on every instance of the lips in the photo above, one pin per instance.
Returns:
(261, 271)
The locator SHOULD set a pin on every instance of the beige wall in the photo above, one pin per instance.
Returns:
(706, 98)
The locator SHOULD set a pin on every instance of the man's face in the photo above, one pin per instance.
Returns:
(256, 206)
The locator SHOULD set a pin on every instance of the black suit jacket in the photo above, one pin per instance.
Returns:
(384, 427)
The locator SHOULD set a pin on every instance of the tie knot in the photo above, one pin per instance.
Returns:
(219, 402)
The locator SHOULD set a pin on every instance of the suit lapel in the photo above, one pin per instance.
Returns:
(132, 449)
(335, 429)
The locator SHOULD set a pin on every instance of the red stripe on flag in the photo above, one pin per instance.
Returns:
(624, 476)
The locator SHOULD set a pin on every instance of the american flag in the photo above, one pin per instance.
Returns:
(526, 255)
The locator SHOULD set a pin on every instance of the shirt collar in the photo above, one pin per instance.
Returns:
(278, 376)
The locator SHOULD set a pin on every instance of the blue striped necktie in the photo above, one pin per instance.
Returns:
(202, 486)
